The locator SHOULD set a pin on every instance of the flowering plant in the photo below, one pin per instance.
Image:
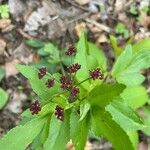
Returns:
(84, 99)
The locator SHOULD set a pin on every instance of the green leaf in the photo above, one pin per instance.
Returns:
(82, 58)
(38, 85)
(134, 137)
(135, 96)
(115, 46)
(43, 135)
(146, 130)
(84, 109)
(89, 57)
(133, 10)
(124, 116)
(59, 132)
(121, 29)
(35, 43)
(105, 126)
(142, 45)
(79, 130)
(20, 137)
(122, 61)
(2, 73)
(53, 51)
(3, 98)
(102, 95)
(127, 68)
(98, 55)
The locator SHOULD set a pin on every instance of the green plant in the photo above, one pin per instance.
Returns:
(4, 11)
(86, 98)
(122, 30)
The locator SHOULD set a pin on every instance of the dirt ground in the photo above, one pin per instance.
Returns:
(60, 21)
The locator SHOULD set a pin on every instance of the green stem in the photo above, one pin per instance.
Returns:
(82, 81)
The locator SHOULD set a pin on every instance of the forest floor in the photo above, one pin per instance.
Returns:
(61, 21)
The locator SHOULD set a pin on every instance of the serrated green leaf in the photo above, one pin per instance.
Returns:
(20, 137)
(2, 73)
(124, 116)
(89, 57)
(115, 46)
(98, 55)
(129, 74)
(79, 130)
(134, 137)
(59, 133)
(105, 126)
(135, 96)
(35, 43)
(102, 95)
(38, 85)
(142, 45)
(146, 112)
(3, 98)
(84, 109)
(122, 61)
(41, 138)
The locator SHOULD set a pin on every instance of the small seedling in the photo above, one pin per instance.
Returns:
(4, 11)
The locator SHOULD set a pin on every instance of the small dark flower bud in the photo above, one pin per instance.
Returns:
(59, 113)
(73, 94)
(41, 72)
(71, 51)
(35, 107)
(96, 74)
(74, 68)
(50, 83)
(66, 82)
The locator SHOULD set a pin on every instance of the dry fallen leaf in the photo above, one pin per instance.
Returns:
(10, 68)
(79, 28)
(102, 38)
(2, 46)
(82, 2)
(4, 23)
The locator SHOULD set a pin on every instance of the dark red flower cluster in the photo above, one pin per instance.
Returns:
(66, 82)
(74, 68)
(59, 113)
(71, 51)
(96, 74)
(41, 72)
(50, 83)
(74, 92)
(35, 107)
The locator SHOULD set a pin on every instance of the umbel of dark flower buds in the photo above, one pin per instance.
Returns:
(35, 107)
(41, 72)
(66, 82)
(50, 83)
(96, 74)
(74, 68)
(71, 51)
(59, 113)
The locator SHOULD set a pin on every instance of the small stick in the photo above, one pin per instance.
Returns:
(100, 26)
(76, 5)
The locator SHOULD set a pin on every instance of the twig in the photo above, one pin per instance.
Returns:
(24, 34)
(100, 26)
(76, 5)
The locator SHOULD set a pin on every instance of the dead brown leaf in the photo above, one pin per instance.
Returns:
(4, 23)
(10, 68)
(79, 28)
(2, 46)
